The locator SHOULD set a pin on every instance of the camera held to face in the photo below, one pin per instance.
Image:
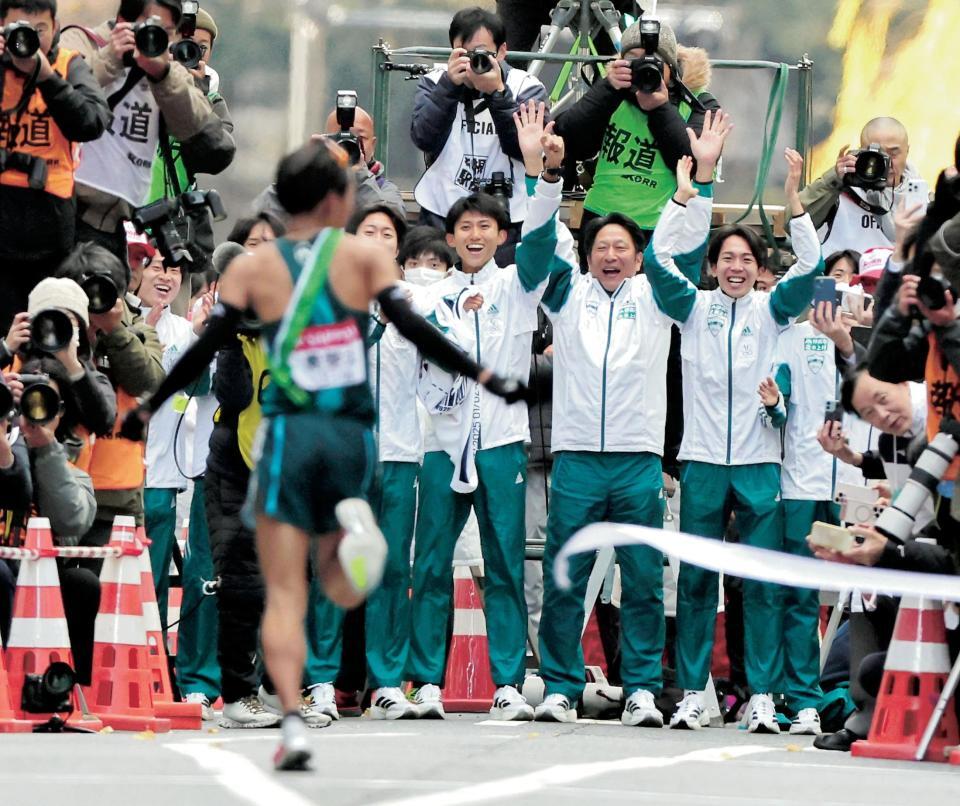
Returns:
(151, 38)
(870, 170)
(187, 51)
(346, 119)
(22, 40)
(647, 72)
(481, 60)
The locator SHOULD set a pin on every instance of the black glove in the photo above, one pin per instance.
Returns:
(134, 424)
(510, 390)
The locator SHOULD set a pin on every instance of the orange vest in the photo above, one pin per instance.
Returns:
(114, 463)
(35, 133)
(943, 394)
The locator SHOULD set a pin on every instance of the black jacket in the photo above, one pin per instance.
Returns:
(35, 225)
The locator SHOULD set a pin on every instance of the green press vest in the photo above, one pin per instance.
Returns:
(631, 176)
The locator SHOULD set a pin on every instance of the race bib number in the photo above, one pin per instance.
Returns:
(329, 357)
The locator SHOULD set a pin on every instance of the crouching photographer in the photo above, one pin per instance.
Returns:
(126, 349)
(38, 475)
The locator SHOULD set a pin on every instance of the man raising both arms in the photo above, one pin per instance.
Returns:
(312, 290)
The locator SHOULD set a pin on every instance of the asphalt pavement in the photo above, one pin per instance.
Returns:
(463, 760)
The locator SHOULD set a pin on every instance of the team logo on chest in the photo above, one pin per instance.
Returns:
(716, 318)
(628, 311)
(815, 353)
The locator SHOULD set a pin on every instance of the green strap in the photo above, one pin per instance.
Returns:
(300, 309)
(771, 129)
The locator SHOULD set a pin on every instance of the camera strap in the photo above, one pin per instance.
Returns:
(18, 109)
(863, 204)
(171, 180)
(133, 78)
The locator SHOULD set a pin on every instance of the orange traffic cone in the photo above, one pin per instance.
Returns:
(38, 633)
(916, 669)
(468, 687)
(8, 718)
(955, 756)
(182, 715)
(120, 692)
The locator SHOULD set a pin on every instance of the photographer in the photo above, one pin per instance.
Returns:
(146, 94)
(126, 349)
(640, 135)
(463, 122)
(211, 151)
(58, 491)
(50, 101)
(849, 214)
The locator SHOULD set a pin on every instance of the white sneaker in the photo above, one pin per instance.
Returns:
(691, 713)
(510, 705)
(294, 751)
(761, 715)
(248, 713)
(362, 551)
(555, 708)
(206, 709)
(391, 703)
(426, 700)
(806, 723)
(641, 711)
(314, 715)
(323, 699)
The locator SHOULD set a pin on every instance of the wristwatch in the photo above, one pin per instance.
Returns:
(553, 174)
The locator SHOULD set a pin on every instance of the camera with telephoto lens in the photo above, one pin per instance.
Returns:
(646, 72)
(499, 187)
(101, 292)
(50, 330)
(188, 51)
(481, 60)
(30, 164)
(151, 38)
(870, 170)
(346, 119)
(22, 40)
(174, 225)
(50, 692)
(6, 399)
(39, 403)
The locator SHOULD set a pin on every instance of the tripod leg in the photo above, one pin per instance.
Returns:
(560, 18)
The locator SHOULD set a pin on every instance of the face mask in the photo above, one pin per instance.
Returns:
(421, 275)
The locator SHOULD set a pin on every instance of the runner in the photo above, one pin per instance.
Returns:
(311, 290)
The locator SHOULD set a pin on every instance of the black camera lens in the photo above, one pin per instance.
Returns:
(6, 400)
(188, 53)
(22, 40)
(39, 403)
(151, 38)
(349, 143)
(59, 679)
(101, 293)
(870, 166)
(480, 61)
(646, 74)
(51, 331)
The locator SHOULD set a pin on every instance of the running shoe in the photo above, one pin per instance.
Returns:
(362, 551)
(691, 713)
(641, 711)
(427, 702)
(315, 715)
(761, 715)
(510, 705)
(391, 703)
(293, 752)
(206, 709)
(806, 723)
(248, 712)
(555, 708)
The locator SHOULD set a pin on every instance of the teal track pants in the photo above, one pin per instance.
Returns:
(197, 665)
(801, 608)
(499, 502)
(589, 487)
(709, 494)
(388, 607)
(160, 523)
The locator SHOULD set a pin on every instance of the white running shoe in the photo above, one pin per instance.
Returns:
(362, 550)
(761, 715)
(206, 709)
(294, 750)
(391, 703)
(691, 713)
(315, 715)
(555, 708)
(322, 699)
(248, 712)
(510, 705)
(426, 700)
(641, 711)
(806, 723)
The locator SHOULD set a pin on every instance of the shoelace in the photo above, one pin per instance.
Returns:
(691, 706)
(763, 710)
(253, 705)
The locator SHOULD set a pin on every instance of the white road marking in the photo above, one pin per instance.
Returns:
(240, 775)
(570, 773)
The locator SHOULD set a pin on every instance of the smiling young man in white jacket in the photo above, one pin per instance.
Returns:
(731, 461)
(611, 345)
(503, 311)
